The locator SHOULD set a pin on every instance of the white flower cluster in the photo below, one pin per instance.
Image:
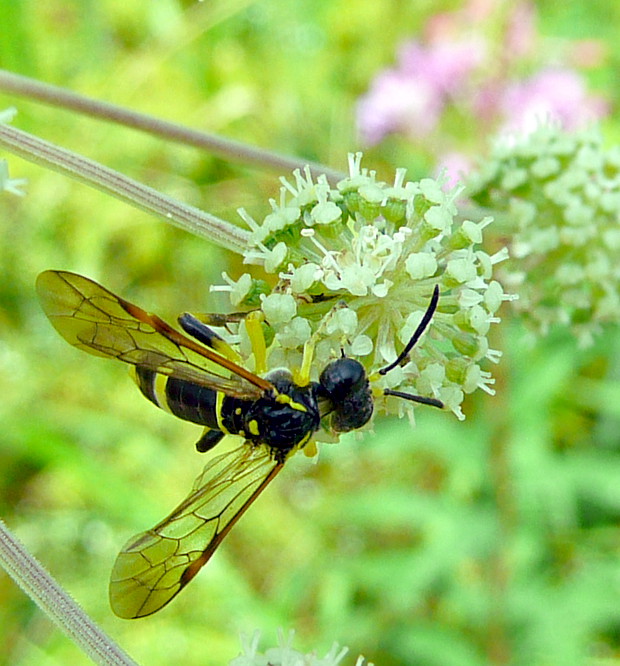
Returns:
(285, 655)
(558, 196)
(356, 267)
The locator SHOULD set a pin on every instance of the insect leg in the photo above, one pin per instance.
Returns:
(302, 376)
(254, 328)
(209, 439)
(221, 319)
(203, 333)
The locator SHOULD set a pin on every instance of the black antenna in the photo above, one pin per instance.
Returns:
(432, 402)
(428, 315)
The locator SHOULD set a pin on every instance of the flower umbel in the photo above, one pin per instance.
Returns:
(357, 265)
(285, 655)
(561, 195)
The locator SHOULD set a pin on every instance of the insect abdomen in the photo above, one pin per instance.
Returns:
(186, 400)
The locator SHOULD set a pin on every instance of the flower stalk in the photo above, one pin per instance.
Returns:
(28, 573)
(227, 149)
(122, 187)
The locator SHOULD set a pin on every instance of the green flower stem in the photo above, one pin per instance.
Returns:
(116, 184)
(225, 148)
(57, 604)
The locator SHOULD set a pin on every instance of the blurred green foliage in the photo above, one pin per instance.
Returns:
(492, 541)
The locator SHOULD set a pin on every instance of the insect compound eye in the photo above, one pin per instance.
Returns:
(341, 377)
(345, 384)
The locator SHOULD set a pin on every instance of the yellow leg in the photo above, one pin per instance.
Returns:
(302, 376)
(254, 328)
(311, 450)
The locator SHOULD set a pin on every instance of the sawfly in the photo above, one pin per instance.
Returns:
(197, 376)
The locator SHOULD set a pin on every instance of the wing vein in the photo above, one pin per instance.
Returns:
(155, 565)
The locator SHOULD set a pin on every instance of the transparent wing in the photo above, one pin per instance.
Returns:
(156, 565)
(93, 319)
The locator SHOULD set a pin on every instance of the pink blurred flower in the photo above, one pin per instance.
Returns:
(553, 94)
(410, 98)
(453, 169)
(397, 103)
(444, 65)
(462, 62)
(521, 35)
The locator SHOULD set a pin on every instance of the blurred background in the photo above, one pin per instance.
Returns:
(490, 541)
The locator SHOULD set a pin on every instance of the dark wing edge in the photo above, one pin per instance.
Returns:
(154, 566)
(92, 318)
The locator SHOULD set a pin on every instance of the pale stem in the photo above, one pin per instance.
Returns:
(122, 187)
(57, 604)
(216, 145)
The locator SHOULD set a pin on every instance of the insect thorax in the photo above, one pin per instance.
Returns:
(286, 419)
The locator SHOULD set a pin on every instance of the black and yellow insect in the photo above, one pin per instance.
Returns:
(200, 379)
